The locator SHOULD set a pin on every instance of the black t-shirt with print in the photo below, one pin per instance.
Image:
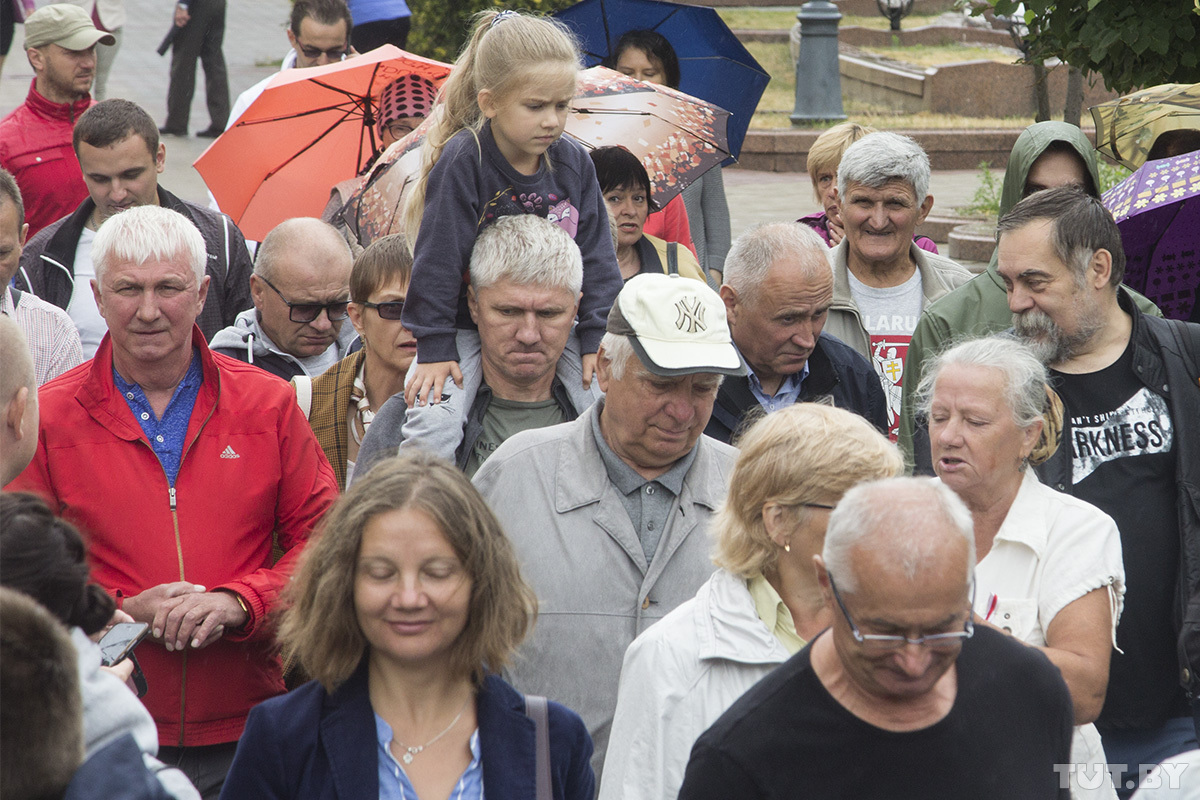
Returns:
(1121, 436)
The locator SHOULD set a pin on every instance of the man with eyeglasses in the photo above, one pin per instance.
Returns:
(301, 290)
(905, 695)
(121, 156)
(319, 33)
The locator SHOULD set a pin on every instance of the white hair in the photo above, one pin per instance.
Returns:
(617, 350)
(755, 251)
(883, 156)
(1024, 375)
(528, 251)
(148, 233)
(900, 514)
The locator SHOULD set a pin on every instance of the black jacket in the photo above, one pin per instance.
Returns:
(48, 262)
(1166, 359)
(837, 375)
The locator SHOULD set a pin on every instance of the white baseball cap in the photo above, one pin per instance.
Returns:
(677, 326)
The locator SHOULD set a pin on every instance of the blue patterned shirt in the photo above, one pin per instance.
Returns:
(166, 435)
(787, 394)
(395, 785)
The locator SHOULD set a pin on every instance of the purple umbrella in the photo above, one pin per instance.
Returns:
(1157, 210)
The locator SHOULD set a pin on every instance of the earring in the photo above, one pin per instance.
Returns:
(787, 547)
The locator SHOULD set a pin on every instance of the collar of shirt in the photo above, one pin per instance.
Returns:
(166, 435)
(393, 780)
(6, 303)
(626, 478)
(774, 613)
(788, 393)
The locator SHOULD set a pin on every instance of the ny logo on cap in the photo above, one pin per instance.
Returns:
(691, 315)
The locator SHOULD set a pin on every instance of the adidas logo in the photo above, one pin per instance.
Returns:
(228, 453)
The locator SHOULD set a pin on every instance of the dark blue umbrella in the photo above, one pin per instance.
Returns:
(713, 64)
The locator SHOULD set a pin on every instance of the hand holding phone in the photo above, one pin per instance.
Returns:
(121, 639)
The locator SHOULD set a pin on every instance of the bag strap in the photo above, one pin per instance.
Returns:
(303, 385)
(672, 258)
(536, 708)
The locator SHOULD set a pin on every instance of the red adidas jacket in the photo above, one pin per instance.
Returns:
(35, 146)
(251, 466)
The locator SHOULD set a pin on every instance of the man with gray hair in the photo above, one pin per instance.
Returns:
(906, 694)
(777, 293)
(1130, 447)
(881, 279)
(184, 467)
(301, 293)
(18, 402)
(526, 274)
(609, 514)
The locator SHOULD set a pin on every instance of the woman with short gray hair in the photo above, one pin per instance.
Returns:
(1049, 569)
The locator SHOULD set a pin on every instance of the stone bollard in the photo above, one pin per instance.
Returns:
(818, 80)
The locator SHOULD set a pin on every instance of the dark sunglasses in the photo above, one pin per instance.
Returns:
(390, 310)
(308, 312)
(335, 53)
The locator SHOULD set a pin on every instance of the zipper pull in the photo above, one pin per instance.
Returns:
(172, 491)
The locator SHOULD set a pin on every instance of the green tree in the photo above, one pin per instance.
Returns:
(1128, 44)
(439, 27)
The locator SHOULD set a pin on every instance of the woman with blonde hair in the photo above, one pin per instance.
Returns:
(1049, 569)
(758, 609)
(405, 608)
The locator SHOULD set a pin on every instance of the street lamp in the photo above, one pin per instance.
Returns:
(818, 80)
(895, 10)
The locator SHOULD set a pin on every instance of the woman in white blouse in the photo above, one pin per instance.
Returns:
(759, 608)
(1049, 568)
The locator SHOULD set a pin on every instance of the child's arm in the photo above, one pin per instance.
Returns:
(425, 382)
(435, 305)
(601, 276)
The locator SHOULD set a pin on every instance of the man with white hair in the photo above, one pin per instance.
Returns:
(778, 290)
(18, 402)
(905, 695)
(609, 514)
(183, 466)
(881, 280)
(526, 275)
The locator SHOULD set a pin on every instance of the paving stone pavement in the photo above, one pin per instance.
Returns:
(255, 38)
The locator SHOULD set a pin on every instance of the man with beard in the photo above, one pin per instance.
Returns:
(1130, 446)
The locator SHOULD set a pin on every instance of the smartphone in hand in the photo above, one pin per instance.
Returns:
(118, 643)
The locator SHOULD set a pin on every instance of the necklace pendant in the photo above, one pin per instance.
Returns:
(406, 758)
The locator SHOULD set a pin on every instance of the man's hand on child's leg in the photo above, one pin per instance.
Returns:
(425, 382)
(589, 369)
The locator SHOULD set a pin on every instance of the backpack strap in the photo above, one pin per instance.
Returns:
(303, 386)
(537, 709)
(672, 258)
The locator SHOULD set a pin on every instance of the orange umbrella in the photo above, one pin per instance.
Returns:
(308, 130)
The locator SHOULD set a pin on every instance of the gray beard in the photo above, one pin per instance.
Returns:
(1049, 342)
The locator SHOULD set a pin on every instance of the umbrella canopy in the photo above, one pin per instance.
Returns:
(678, 138)
(714, 65)
(1157, 210)
(309, 129)
(1126, 128)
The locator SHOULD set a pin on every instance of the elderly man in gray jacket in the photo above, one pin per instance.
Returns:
(609, 514)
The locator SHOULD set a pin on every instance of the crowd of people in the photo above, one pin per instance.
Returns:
(585, 500)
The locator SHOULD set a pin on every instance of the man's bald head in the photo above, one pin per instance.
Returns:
(18, 402)
(302, 235)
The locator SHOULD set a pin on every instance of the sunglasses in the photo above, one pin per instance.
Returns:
(335, 53)
(390, 310)
(308, 312)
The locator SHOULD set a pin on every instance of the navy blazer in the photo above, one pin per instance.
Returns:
(312, 744)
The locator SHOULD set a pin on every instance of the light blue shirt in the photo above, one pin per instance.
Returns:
(393, 780)
(789, 390)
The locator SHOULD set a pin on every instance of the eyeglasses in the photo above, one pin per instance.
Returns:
(399, 130)
(389, 310)
(888, 642)
(308, 312)
(334, 53)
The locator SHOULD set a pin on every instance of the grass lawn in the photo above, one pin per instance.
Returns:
(784, 17)
(780, 98)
